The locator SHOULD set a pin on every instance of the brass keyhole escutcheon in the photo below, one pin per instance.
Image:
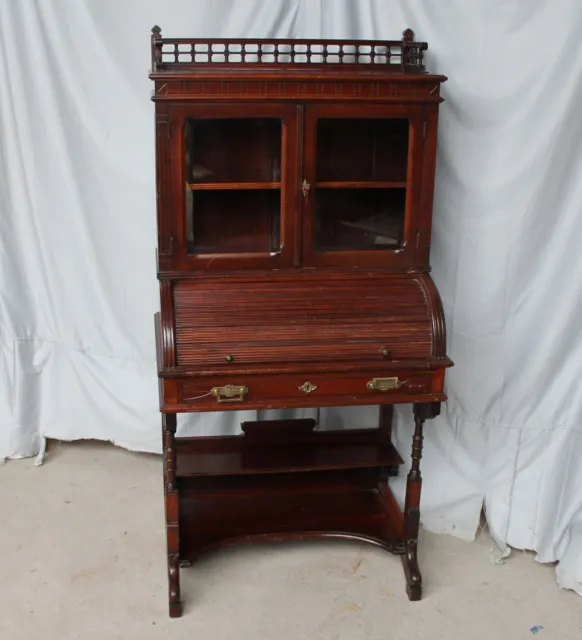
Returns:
(308, 387)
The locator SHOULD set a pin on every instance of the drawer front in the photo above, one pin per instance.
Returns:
(240, 392)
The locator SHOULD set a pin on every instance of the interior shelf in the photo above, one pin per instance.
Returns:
(223, 186)
(317, 451)
(217, 521)
(329, 481)
(373, 184)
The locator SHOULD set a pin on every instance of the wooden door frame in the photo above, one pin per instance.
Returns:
(178, 115)
(409, 252)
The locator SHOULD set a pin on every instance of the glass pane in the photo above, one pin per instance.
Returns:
(362, 149)
(233, 150)
(359, 219)
(233, 185)
(360, 190)
(233, 221)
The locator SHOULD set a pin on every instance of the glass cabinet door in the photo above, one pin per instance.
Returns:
(359, 194)
(237, 177)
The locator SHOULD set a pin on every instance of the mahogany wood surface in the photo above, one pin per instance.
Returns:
(320, 450)
(358, 515)
(269, 392)
(295, 181)
(375, 184)
(233, 186)
(362, 318)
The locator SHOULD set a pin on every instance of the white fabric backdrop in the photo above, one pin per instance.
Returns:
(77, 276)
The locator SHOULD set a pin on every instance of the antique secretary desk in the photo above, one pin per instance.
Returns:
(294, 193)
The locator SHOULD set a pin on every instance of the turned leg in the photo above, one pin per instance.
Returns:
(171, 497)
(385, 431)
(422, 411)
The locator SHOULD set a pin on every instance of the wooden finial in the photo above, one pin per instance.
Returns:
(156, 47)
(408, 35)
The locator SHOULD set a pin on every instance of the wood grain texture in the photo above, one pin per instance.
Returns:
(199, 55)
(407, 253)
(422, 412)
(330, 481)
(313, 315)
(164, 194)
(208, 523)
(428, 179)
(239, 455)
(172, 517)
(167, 325)
(359, 318)
(437, 316)
(226, 86)
(286, 390)
(185, 260)
(360, 185)
(229, 186)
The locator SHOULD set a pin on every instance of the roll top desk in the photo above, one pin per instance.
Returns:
(294, 197)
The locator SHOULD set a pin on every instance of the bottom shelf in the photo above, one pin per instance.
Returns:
(370, 515)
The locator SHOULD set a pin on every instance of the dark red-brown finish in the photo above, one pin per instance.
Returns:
(359, 317)
(294, 194)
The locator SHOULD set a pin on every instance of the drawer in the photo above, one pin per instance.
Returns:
(278, 391)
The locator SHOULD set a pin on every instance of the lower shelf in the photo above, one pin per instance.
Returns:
(368, 515)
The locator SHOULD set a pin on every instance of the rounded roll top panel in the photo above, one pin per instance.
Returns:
(361, 317)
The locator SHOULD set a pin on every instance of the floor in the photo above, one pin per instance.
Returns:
(83, 543)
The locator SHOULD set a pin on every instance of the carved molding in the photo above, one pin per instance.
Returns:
(437, 315)
(180, 89)
(164, 195)
(168, 324)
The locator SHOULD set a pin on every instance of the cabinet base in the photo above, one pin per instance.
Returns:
(284, 481)
(364, 515)
(212, 522)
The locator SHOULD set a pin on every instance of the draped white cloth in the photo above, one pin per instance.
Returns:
(77, 276)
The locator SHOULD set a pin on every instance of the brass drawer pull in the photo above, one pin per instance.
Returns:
(229, 393)
(384, 384)
(308, 387)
